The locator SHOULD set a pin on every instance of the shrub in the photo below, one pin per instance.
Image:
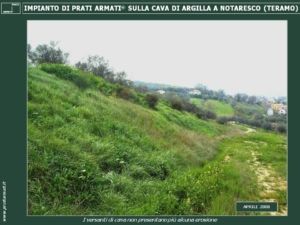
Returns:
(125, 93)
(65, 176)
(189, 107)
(60, 70)
(152, 100)
(266, 126)
(206, 114)
(281, 128)
(113, 161)
(197, 187)
(158, 165)
(79, 78)
(176, 103)
(160, 170)
(222, 119)
(138, 172)
(79, 81)
(210, 115)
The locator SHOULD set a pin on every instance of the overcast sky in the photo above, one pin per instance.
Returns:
(235, 56)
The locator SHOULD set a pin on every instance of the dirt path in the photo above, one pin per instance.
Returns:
(249, 130)
(268, 182)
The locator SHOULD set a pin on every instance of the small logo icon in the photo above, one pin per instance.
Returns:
(10, 8)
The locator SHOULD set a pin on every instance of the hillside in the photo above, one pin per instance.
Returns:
(93, 153)
(218, 107)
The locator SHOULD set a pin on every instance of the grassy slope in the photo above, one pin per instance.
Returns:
(94, 154)
(220, 108)
(82, 141)
(238, 164)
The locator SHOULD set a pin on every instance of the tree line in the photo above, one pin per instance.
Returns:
(52, 53)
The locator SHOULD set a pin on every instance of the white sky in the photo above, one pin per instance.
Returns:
(236, 56)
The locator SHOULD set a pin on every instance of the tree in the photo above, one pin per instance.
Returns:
(31, 55)
(100, 67)
(221, 95)
(96, 65)
(120, 78)
(82, 66)
(252, 100)
(241, 97)
(47, 54)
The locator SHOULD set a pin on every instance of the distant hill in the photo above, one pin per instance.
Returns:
(219, 107)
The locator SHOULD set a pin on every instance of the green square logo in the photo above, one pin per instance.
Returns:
(10, 8)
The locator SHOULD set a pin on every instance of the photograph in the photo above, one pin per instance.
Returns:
(157, 117)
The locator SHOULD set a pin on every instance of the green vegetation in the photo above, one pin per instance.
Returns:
(252, 114)
(197, 101)
(218, 107)
(190, 121)
(248, 110)
(248, 162)
(100, 148)
(272, 151)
